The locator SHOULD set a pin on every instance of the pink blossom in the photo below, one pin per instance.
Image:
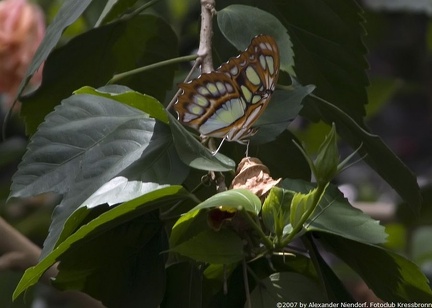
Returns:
(22, 28)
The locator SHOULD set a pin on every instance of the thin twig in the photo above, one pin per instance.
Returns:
(204, 50)
(206, 34)
(138, 70)
(246, 283)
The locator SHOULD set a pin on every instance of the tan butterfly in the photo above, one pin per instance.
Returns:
(226, 102)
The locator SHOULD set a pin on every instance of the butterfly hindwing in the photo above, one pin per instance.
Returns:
(210, 105)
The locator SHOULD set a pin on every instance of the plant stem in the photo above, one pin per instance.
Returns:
(140, 9)
(173, 100)
(246, 284)
(315, 256)
(206, 33)
(138, 70)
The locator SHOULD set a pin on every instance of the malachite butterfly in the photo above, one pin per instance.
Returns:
(226, 102)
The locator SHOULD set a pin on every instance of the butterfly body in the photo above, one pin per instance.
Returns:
(226, 102)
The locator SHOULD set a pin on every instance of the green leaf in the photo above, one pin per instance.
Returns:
(234, 199)
(82, 62)
(119, 190)
(116, 10)
(276, 209)
(335, 215)
(391, 277)
(282, 109)
(124, 95)
(191, 235)
(374, 151)
(329, 51)
(301, 204)
(286, 287)
(106, 221)
(240, 23)
(334, 288)
(99, 266)
(183, 285)
(99, 140)
(326, 37)
(68, 13)
(76, 132)
(220, 247)
(262, 268)
(188, 226)
(194, 154)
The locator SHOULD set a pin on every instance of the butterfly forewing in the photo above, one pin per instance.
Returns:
(226, 103)
(255, 70)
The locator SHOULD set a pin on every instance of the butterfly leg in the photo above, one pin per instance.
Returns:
(247, 148)
(218, 148)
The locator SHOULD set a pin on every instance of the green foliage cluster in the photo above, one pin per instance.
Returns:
(133, 227)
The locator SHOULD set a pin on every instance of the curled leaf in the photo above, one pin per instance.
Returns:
(254, 176)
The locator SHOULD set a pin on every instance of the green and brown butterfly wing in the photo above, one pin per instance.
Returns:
(225, 103)
(255, 71)
(210, 104)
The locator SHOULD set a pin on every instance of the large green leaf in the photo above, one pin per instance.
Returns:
(283, 108)
(326, 37)
(335, 215)
(98, 231)
(67, 14)
(334, 288)
(86, 142)
(240, 23)
(391, 277)
(374, 151)
(328, 48)
(92, 59)
(71, 142)
(128, 253)
(124, 95)
(183, 285)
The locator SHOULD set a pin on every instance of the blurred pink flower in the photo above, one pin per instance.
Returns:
(22, 28)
